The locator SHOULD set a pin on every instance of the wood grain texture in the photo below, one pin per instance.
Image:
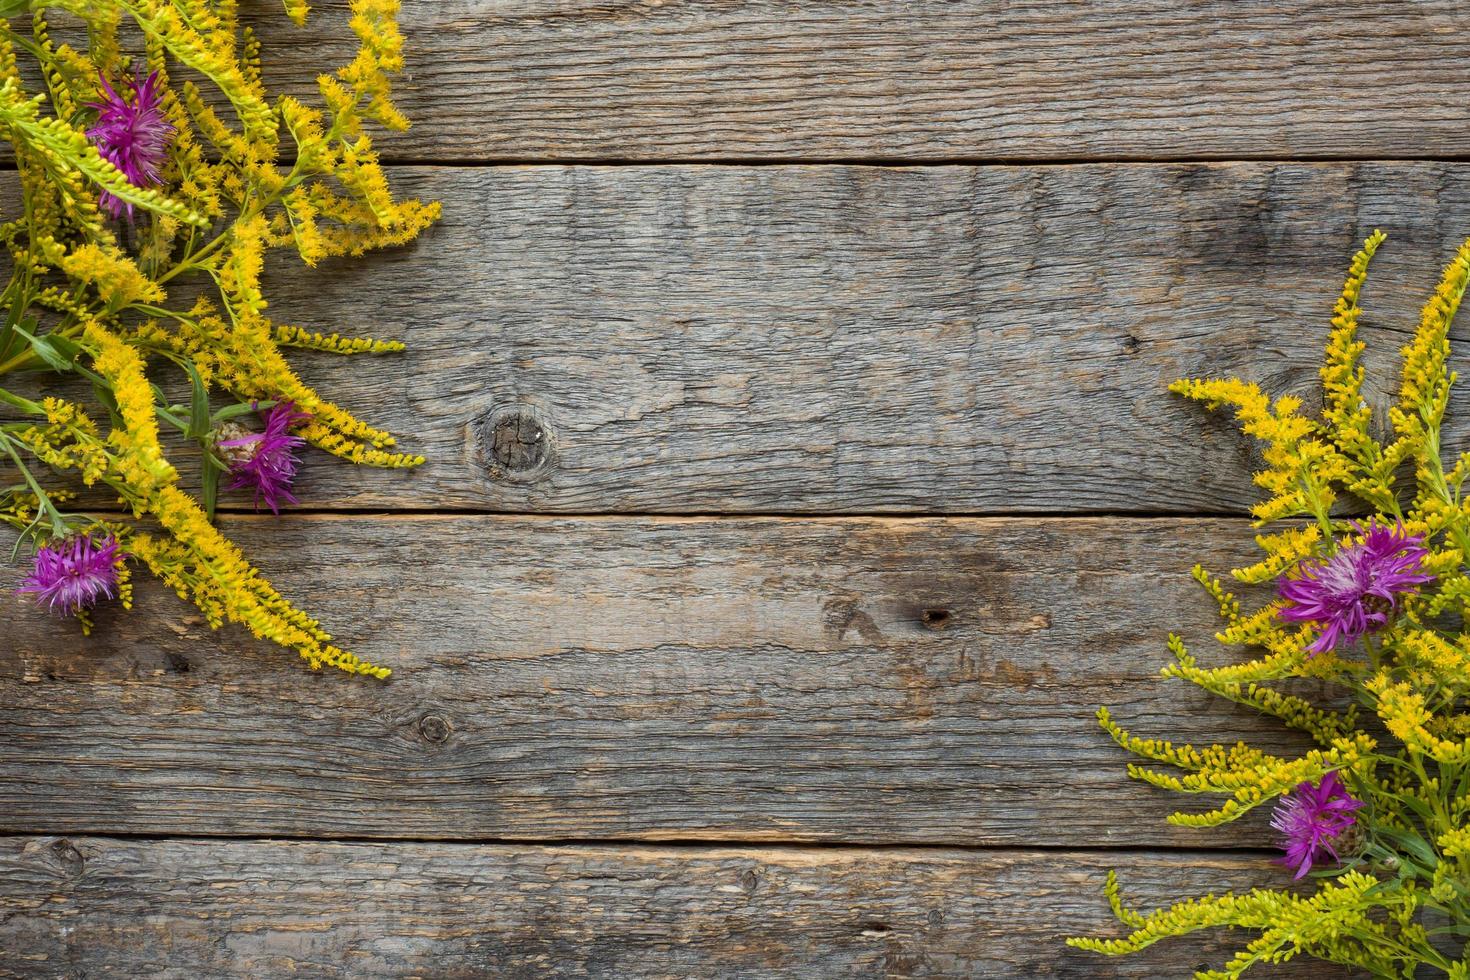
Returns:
(190, 909)
(861, 680)
(858, 339)
(491, 80)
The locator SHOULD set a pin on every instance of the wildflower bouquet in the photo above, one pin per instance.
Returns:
(155, 172)
(1372, 820)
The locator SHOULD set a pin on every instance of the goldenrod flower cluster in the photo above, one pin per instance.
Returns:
(1372, 589)
(137, 272)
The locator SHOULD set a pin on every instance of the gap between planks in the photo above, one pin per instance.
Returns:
(881, 163)
(899, 162)
(691, 844)
(700, 515)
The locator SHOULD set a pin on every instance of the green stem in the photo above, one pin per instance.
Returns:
(44, 506)
(249, 209)
(1375, 652)
(1434, 466)
(1312, 492)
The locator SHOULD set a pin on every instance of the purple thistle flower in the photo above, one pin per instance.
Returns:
(132, 136)
(1312, 820)
(1353, 592)
(74, 573)
(266, 461)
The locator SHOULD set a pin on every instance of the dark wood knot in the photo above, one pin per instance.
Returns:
(748, 880)
(67, 856)
(435, 729)
(515, 444)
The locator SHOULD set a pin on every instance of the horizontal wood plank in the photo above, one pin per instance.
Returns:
(856, 339)
(88, 906)
(863, 680)
(895, 80)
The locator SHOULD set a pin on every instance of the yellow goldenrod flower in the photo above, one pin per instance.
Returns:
(1369, 612)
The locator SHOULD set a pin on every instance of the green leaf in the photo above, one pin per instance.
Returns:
(14, 8)
(212, 471)
(199, 421)
(243, 408)
(105, 396)
(1419, 807)
(65, 349)
(21, 538)
(16, 317)
(1412, 846)
(59, 353)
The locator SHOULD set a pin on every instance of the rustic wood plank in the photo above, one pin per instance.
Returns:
(870, 680)
(169, 908)
(896, 80)
(855, 339)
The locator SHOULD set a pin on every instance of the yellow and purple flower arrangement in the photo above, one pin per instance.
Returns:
(137, 251)
(1371, 819)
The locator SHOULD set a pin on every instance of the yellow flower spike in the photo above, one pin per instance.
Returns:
(381, 54)
(1284, 550)
(117, 279)
(1344, 411)
(1229, 605)
(288, 336)
(141, 462)
(1293, 449)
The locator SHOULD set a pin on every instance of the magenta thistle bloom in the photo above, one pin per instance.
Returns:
(74, 573)
(132, 136)
(1312, 820)
(266, 461)
(1353, 592)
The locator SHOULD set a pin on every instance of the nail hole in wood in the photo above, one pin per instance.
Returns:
(936, 619)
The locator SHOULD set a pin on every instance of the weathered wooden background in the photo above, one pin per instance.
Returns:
(801, 477)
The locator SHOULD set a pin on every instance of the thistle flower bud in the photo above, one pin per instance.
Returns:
(132, 134)
(264, 462)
